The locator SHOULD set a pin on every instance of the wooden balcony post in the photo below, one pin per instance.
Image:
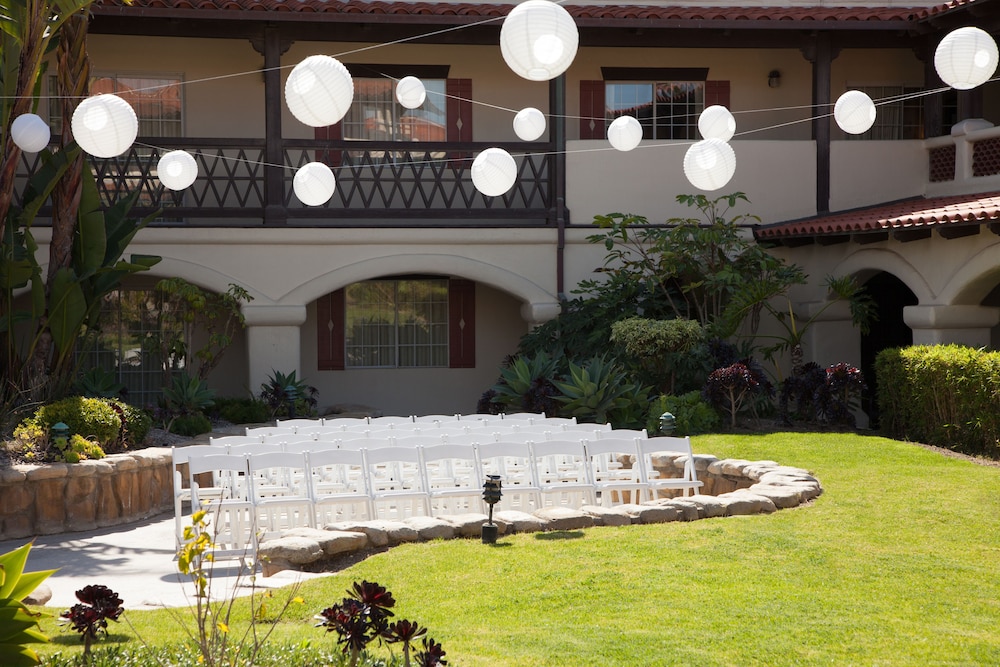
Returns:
(274, 173)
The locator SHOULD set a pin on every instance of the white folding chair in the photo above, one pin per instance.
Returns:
(413, 441)
(226, 440)
(343, 422)
(279, 492)
(660, 452)
(255, 448)
(452, 479)
(623, 433)
(182, 491)
(512, 461)
(390, 420)
(297, 423)
(261, 431)
(232, 526)
(396, 482)
(435, 419)
(338, 486)
(614, 470)
(523, 416)
(561, 473)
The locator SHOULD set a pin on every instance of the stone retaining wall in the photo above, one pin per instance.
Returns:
(732, 487)
(45, 499)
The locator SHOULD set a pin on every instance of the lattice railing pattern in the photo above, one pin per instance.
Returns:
(942, 163)
(986, 157)
(374, 180)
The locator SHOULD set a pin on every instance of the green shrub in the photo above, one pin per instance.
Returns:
(135, 425)
(89, 417)
(944, 395)
(242, 410)
(600, 391)
(74, 450)
(192, 425)
(661, 348)
(692, 414)
(526, 385)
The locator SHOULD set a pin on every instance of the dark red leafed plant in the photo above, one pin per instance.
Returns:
(363, 616)
(844, 383)
(359, 618)
(432, 655)
(728, 387)
(98, 605)
(405, 632)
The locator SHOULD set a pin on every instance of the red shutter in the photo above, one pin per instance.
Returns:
(717, 92)
(329, 133)
(461, 323)
(330, 331)
(459, 118)
(592, 110)
(459, 109)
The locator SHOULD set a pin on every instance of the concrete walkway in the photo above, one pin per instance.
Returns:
(136, 561)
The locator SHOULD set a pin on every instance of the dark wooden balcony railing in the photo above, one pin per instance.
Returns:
(377, 183)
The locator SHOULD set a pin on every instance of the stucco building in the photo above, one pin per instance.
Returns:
(408, 288)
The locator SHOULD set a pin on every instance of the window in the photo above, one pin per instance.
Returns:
(375, 115)
(665, 109)
(398, 322)
(899, 113)
(128, 343)
(155, 99)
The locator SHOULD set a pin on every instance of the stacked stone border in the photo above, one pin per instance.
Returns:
(51, 498)
(732, 487)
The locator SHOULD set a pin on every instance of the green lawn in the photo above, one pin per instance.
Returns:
(895, 564)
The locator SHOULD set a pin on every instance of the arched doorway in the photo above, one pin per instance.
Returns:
(891, 295)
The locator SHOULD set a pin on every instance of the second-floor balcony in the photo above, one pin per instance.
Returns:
(378, 183)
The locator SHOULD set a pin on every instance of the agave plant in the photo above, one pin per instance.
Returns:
(188, 395)
(596, 390)
(18, 624)
(526, 384)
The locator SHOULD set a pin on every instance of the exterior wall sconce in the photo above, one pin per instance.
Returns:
(773, 79)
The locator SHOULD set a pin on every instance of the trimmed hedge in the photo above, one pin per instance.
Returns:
(943, 395)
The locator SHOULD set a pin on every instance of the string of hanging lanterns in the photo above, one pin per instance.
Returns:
(538, 41)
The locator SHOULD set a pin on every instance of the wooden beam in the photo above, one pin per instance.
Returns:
(951, 231)
(869, 237)
(907, 235)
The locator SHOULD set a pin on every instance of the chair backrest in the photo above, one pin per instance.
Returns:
(470, 438)
(495, 457)
(333, 471)
(297, 423)
(390, 420)
(524, 415)
(269, 430)
(478, 416)
(338, 422)
(605, 454)
(624, 433)
(405, 440)
(276, 473)
(255, 448)
(182, 454)
(279, 438)
(227, 440)
(666, 444)
(560, 459)
(228, 470)
(432, 419)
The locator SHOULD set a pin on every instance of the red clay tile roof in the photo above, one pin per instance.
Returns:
(905, 214)
(585, 14)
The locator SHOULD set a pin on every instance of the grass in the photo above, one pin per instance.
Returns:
(895, 564)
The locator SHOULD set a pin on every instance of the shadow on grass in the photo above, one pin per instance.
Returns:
(560, 535)
(74, 640)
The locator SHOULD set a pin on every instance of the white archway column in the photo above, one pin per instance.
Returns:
(964, 325)
(536, 313)
(273, 341)
(832, 332)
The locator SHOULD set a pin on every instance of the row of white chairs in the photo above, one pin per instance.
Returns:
(261, 494)
(318, 427)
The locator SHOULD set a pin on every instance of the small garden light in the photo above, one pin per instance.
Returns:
(667, 423)
(491, 496)
(60, 431)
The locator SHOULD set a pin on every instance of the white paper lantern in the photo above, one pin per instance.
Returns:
(624, 133)
(410, 92)
(319, 91)
(494, 172)
(854, 112)
(538, 40)
(105, 125)
(709, 164)
(529, 124)
(314, 184)
(177, 170)
(30, 133)
(966, 58)
(717, 122)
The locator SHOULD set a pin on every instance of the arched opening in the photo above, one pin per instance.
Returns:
(891, 295)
